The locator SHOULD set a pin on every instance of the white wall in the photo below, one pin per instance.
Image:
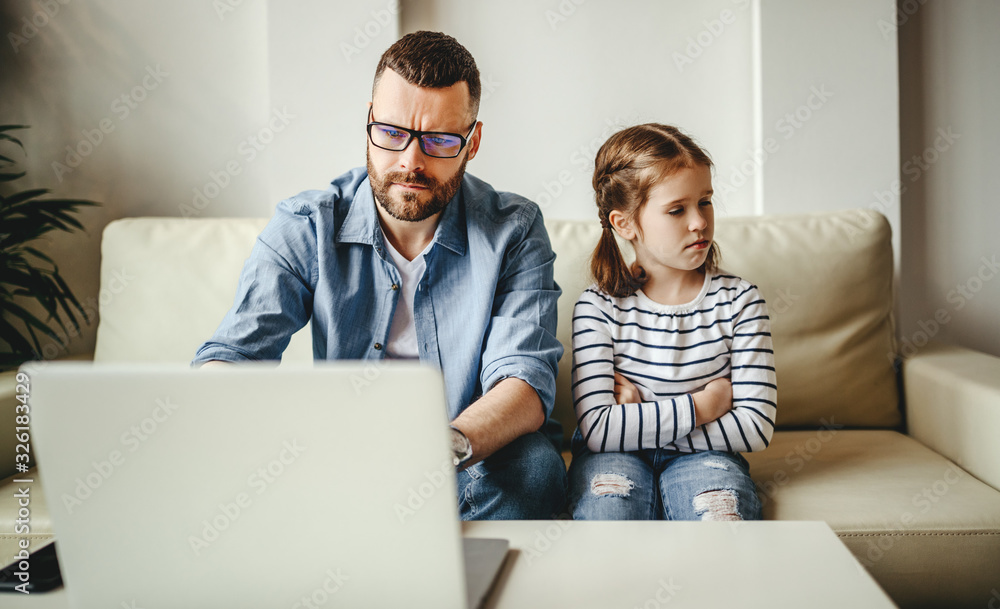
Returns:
(950, 149)
(321, 62)
(559, 77)
(829, 98)
(264, 99)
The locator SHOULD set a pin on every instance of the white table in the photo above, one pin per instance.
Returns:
(650, 565)
(647, 565)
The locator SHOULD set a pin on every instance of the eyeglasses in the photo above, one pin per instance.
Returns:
(433, 143)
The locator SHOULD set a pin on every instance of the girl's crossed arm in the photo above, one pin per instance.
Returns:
(749, 425)
(608, 425)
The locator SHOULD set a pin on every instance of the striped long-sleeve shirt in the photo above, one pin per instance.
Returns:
(668, 353)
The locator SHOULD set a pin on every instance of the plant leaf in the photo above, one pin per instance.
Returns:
(24, 195)
(39, 254)
(9, 177)
(66, 294)
(29, 319)
(18, 344)
(11, 138)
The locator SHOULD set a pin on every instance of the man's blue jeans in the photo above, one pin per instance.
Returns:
(525, 480)
(657, 484)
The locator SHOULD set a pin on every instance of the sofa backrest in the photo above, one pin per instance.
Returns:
(166, 284)
(828, 282)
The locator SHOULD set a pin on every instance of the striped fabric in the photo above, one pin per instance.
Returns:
(669, 352)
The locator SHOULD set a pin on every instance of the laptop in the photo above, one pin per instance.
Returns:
(254, 486)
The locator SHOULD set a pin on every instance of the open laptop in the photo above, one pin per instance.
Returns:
(254, 486)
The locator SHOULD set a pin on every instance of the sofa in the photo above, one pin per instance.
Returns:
(899, 455)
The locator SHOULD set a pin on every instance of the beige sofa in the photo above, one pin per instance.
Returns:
(920, 510)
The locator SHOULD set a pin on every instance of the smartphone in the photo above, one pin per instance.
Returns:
(43, 571)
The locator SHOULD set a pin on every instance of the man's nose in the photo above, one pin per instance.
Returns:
(412, 158)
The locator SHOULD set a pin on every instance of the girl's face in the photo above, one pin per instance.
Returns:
(677, 223)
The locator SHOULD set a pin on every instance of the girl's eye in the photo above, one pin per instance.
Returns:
(708, 202)
(676, 212)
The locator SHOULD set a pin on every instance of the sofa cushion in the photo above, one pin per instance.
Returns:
(827, 279)
(900, 507)
(166, 283)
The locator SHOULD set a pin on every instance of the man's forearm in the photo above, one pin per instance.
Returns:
(509, 410)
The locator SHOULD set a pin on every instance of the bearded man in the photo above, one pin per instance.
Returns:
(412, 258)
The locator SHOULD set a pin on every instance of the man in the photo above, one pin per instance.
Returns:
(412, 258)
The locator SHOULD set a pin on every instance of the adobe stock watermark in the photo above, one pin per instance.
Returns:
(923, 501)
(370, 373)
(582, 159)
(365, 33)
(663, 595)
(131, 440)
(247, 152)
(713, 30)
(788, 125)
(30, 26)
(798, 459)
(562, 12)
(902, 13)
(783, 302)
(958, 298)
(223, 8)
(332, 583)
(259, 481)
(914, 168)
(546, 537)
(417, 496)
(122, 107)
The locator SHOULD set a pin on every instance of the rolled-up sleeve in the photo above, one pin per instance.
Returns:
(521, 339)
(275, 292)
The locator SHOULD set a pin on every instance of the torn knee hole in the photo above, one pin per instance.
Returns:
(717, 465)
(613, 485)
(717, 505)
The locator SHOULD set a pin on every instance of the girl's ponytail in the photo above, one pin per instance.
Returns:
(608, 266)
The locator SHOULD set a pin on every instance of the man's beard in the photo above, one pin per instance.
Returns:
(406, 206)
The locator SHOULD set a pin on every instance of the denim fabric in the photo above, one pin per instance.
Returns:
(525, 480)
(657, 484)
(484, 310)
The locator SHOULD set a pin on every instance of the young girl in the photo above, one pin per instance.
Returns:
(673, 371)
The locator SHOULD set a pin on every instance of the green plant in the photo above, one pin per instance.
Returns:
(27, 272)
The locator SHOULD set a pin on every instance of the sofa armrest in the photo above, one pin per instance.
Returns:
(953, 406)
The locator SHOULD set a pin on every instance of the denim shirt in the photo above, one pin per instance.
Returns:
(484, 310)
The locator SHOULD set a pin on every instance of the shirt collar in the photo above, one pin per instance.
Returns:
(361, 223)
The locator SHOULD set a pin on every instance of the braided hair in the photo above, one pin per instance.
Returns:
(627, 167)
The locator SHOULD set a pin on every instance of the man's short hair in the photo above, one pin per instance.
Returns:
(434, 60)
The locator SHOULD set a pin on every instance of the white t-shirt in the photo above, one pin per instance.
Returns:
(403, 331)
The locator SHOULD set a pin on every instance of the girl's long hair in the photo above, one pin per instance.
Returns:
(627, 166)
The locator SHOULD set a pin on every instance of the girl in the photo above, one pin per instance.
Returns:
(673, 371)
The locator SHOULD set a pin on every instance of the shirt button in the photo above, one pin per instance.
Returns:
(395, 286)
(378, 346)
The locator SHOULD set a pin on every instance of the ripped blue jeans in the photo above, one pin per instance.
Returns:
(658, 484)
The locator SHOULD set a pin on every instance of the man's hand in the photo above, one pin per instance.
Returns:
(215, 363)
(715, 400)
(625, 391)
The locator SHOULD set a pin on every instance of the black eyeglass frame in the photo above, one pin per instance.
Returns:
(418, 135)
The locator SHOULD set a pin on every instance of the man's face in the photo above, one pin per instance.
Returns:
(409, 185)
